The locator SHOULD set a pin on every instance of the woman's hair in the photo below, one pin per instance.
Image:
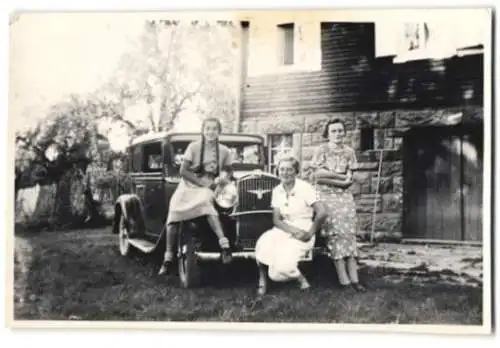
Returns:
(335, 120)
(211, 119)
(199, 170)
(289, 158)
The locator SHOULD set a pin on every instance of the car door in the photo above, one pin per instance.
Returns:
(153, 186)
(174, 154)
(136, 172)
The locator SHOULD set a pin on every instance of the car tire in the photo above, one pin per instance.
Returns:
(189, 268)
(124, 245)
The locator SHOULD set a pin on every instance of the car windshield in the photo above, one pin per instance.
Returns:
(242, 153)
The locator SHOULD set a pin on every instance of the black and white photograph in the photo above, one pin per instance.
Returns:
(325, 168)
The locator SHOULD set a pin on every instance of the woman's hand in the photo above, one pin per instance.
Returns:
(349, 178)
(222, 181)
(206, 182)
(302, 235)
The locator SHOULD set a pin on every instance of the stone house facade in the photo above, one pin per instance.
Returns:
(298, 73)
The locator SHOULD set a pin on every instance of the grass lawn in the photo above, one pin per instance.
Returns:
(80, 275)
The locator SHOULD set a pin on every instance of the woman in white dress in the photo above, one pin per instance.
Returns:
(294, 203)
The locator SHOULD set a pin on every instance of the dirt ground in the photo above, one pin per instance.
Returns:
(454, 264)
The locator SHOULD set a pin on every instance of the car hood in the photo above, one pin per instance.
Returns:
(240, 173)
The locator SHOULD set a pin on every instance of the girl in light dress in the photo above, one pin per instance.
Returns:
(203, 163)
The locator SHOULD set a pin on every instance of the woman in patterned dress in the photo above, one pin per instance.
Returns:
(203, 162)
(333, 164)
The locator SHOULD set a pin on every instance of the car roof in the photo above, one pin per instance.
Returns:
(178, 136)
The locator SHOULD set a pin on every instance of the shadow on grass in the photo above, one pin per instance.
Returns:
(86, 279)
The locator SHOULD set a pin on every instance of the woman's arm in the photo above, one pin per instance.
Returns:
(319, 218)
(191, 155)
(335, 182)
(339, 180)
(190, 176)
(279, 223)
(321, 170)
(326, 174)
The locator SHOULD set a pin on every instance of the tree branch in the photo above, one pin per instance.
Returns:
(154, 127)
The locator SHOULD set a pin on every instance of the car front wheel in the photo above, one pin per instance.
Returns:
(189, 269)
(123, 238)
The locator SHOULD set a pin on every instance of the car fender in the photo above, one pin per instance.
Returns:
(130, 206)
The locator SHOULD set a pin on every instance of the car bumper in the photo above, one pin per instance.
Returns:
(208, 256)
(213, 256)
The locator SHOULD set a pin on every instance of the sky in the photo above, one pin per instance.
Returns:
(53, 55)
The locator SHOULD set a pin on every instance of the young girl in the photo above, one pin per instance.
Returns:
(200, 171)
(333, 163)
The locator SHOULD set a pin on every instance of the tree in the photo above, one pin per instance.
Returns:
(177, 68)
(59, 150)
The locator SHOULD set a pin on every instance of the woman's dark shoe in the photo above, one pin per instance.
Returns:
(345, 286)
(166, 268)
(358, 287)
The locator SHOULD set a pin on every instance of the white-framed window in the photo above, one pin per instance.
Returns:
(286, 42)
(278, 145)
(152, 157)
(416, 36)
(424, 40)
(276, 48)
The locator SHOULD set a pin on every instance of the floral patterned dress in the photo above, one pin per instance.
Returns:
(341, 225)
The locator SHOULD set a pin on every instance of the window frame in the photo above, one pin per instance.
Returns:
(270, 148)
(423, 33)
(146, 157)
(286, 44)
(136, 159)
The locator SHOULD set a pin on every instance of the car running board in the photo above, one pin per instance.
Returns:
(142, 245)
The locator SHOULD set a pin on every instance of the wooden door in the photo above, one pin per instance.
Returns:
(443, 183)
(473, 180)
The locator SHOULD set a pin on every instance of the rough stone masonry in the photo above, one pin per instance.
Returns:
(388, 133)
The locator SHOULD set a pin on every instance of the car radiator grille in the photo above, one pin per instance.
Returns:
(251, 227)
(254, 212)
(254, 193)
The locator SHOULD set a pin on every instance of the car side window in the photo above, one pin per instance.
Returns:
(178, 150)
(136, 160)
(153, 160)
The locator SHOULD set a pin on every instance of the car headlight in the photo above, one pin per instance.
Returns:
(227, 196)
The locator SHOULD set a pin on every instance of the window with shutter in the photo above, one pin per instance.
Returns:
(287, 43)
(279, 145)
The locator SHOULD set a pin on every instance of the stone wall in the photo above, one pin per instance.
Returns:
(388, 128)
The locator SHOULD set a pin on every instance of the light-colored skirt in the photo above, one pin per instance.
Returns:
(189, 202)
(281, 253)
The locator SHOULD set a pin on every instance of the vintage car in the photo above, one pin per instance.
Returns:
(152, 167)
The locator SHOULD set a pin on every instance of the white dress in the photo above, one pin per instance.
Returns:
(278, 249)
